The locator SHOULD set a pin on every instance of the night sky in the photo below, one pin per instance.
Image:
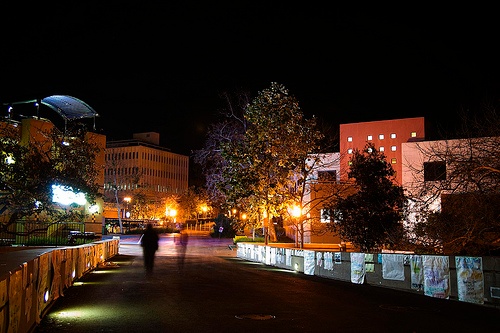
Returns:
(160, 66)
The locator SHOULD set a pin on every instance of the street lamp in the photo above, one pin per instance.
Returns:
(127, 200)
(297, 212)
(171, 213)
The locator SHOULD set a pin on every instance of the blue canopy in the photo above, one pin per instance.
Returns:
(68, 107)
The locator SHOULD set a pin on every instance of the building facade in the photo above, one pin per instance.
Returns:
(387, 136)
(142, 165)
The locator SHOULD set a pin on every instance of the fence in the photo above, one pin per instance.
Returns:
(468, 279)
(35, 233)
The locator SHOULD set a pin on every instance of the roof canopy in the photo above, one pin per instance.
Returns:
(68, 107)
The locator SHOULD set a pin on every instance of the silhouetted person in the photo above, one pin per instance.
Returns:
(149, 243)
(181, 249)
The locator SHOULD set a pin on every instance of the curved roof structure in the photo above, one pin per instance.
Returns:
(68, 107)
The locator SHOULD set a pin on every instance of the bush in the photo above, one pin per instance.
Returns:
(246, 239)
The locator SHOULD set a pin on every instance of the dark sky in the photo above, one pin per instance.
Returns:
(161, 65)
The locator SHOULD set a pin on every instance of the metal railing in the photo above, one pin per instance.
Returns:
(36, 233)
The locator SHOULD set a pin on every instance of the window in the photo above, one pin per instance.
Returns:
(393, 160)
(434, 171)
(393, 148)
(349, 139)
(413, 134)
(393, 135)
(349, 151)
(381, 148)
(370, 149)
(369, 138)
(381, 136)
(327, 176)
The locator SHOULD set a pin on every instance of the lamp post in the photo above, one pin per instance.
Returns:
(127, 200)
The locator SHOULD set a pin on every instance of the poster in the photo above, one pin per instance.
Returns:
(309, 262)
(338, 257)
(328, 262)
(416, 272)
(470, 279)
(436, 276)
(393, 267)
(357, 268)
(319, 259)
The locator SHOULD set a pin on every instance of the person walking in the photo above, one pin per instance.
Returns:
(149, 243)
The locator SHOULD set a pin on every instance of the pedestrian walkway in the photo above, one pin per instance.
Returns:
(207, 288)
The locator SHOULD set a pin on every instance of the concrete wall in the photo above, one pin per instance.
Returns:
(27, 292)
(339, 266)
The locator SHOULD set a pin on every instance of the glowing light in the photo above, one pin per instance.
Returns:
(296, 211)
(46, 296)
(70, 314)
(94, 209)
(65, 196)
(73, 274)
(9, 159)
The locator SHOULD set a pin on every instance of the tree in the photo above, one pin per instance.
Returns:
(30, 168)
(261, 168)
(372, 218)
(455, 202)
(230, 129)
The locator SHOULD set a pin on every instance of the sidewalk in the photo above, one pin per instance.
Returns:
(11, 257)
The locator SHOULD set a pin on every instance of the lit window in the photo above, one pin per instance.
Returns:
(393, 135)
(350, 163)
(381, 148)
(393, 148)
(369, 149)
(413, 134)
(349, 139)
(349, 151)
(381, 136)
(369, 138)
(393, 160)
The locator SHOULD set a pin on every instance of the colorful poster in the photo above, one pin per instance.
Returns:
(338, 257)
(309, 262)
(357, 268)
(436, 276)
(393, 267)
(416, 272)
(470, 279)
(289, 253)
(319, 259)
(328, 261)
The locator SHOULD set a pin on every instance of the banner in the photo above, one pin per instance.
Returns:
(393, 267)
(436, 276)
(357, 268)
(470, 279)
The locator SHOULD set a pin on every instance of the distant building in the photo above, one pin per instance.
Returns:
(387, 137)
(142, 165)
